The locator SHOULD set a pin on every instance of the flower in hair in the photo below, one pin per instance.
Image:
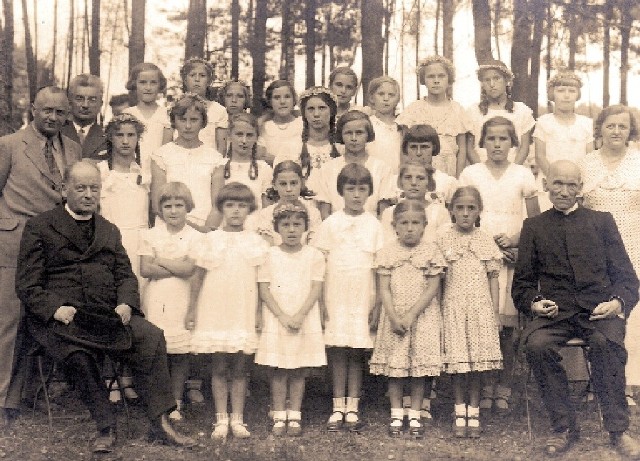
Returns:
(288, 207)
(196, 60)
(235, 80)
(316, 91)
(125, 118)
(437, 59)
(565, 77)
(496, 65)
(193, 96)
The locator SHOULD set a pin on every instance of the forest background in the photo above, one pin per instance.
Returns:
(50, 41)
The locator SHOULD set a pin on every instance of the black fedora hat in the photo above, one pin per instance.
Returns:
(98, 329)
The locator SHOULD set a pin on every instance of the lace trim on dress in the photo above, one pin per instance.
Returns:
(454, 245)
(425, 257)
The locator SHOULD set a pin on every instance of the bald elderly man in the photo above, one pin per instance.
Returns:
(573, 278)
(31, 164)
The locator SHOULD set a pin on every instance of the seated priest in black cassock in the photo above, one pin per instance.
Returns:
(573, 278)
(82, 302)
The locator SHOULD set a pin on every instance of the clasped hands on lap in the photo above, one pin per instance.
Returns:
(65, 314)
(549, 309)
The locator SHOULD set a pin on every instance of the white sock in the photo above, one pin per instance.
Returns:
(414, 414)
(473, 413)
(222, 417)
(352, 403)
(294, 415)
(339, 404)
(237, 418)
(397, 413)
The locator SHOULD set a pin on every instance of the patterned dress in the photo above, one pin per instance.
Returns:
(618, 192)
(470, 328)
(416, 353)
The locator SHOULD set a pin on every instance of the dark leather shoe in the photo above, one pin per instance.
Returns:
(162, 431)
(626, 445)
(560, 442)
(105, 441)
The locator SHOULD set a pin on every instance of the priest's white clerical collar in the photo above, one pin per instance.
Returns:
(76, 216)
(569, 211)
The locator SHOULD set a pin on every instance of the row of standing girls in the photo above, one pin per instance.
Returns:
(330, 135)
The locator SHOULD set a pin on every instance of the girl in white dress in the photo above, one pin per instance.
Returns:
(350, 238)
(288, 187)
(317, 144)
(124, 197)
(189, 160)
(343, 82)
(165, 255)
(503, 186)
(354, 130)
(148, 81)
(562, 134)
(281, 129)
(440, 111)
(197, 75)
(496, 80)
(384, 95)
(242, 164)
(290, 283)
(223, 305)
(416, 181)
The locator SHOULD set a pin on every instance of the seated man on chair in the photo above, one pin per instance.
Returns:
(81, 300)
(573, 279)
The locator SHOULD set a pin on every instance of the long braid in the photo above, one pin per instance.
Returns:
(332, 138)
(509, 103)
(431, 181)
(484, 102)
(227, 166)
(253, 169)
(305, 157)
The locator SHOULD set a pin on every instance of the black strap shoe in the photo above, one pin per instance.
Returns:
(105, 441)
(163, 432)
(561, 442)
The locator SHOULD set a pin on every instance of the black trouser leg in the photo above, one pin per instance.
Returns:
(83, 371)
(543, 355)
(608, 361)
(148, 361)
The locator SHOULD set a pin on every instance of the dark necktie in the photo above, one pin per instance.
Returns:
(51, 161)
(81, 135)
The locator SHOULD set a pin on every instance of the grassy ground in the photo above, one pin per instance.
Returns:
(504, 438)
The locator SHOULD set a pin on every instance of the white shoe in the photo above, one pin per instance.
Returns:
(175, 415)
(220, 430)
(239, 430)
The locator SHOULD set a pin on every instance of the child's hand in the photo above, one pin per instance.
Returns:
(259, 321)
(396, 325)
(510, 255)
(503, 241)
(324, 314)
(190, 321)
(374, 317)
(498, 321)
(295, 322)
(406, 321)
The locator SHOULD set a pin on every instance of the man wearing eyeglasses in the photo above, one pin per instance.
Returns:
(31, 162)
(85, 99)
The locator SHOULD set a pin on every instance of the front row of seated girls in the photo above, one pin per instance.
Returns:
(290, 306)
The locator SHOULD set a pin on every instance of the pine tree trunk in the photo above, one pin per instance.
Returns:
(55, 40)
(287, 56)
(606, 53)
(31, 64)
(448, 11)
(70, 39)
(310, 43)
(482, 28)
(573, 39)
(136, 39)
(196, 29)
(372, 12)
(625, 35)
(549, 31)
(235, 39)
(258, 55)
(6, 69)
(496, 26)
(536, 50)
(94, 50)
(520, 50)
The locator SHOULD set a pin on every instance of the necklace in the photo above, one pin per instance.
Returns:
(282, 126)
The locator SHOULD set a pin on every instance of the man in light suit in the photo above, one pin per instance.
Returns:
(29, 185)
(573, 278)
(85, 99)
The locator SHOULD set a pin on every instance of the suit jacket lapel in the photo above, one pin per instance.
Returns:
(65, 225)
(33, 150)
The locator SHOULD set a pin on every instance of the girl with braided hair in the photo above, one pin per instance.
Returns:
(319, 108)
(496, 81)
(242, 164)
